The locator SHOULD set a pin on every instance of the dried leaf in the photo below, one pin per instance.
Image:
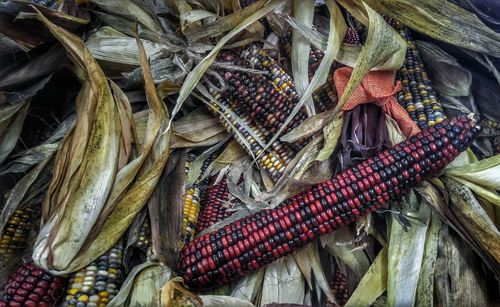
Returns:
(91, 182)
(373, 284)
(406, 251)
(223, 24)
(303, 11)
(222, 300)
(442, 20)
(481, 176)
(131, 10)
(142, 285)
(11, 123)
(336, 34)
(283, 283)
(425, 288)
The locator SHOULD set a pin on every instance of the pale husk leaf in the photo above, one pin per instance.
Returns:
(92, 182)
(442, 20)
(303, 10)
(406, 251)
(373, 284)
(142, 285)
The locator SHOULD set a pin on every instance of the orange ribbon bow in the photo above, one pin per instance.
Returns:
(376, 87)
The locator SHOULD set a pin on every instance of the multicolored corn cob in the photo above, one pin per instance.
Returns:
(269, 98)
(214, 205)
(256, 240)
(263, 102)
(281, 81)
(191, 207)
(417, 95)
(96, 284)
(30, 286)
(14, 238)
(192, 196)
(273, 159)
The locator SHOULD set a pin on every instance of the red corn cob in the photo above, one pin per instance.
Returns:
(31, 286)
(214, 206)
(256, 240)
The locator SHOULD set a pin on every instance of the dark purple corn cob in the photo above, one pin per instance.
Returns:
(339, 287)
(351, 37)
(256, 240)
(30, 286)
(214, 205)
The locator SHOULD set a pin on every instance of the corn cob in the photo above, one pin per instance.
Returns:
(492, 124)
(273, 159)
(31, 286)
(15, 235)
(191, 207)
(264, 98)
(247, 244)
(417, 95)
(351, 37)
(96, 284)
(144, 238)
(281, 81)
(192, 197)
(339, 287)
(215, 205)
(264, 103)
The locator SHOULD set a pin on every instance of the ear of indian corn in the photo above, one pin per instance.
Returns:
(417, 95)
(14, 238)
(249, 243)
(144, 238)
(215, 205)
(269, 100)
(191, 205)
(339, 287)
(192, 196)
(96, 284)
(273, 159)
(30, 286)
(263, 102)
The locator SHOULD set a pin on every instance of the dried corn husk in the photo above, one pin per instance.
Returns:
(103, 174)
(444, 21)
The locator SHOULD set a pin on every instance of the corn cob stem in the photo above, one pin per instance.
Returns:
(249, 243)
(30, 286)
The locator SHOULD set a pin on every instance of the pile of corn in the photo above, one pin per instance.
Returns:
(211, 232)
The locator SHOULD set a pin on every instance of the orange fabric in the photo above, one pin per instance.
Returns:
(376, 87)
